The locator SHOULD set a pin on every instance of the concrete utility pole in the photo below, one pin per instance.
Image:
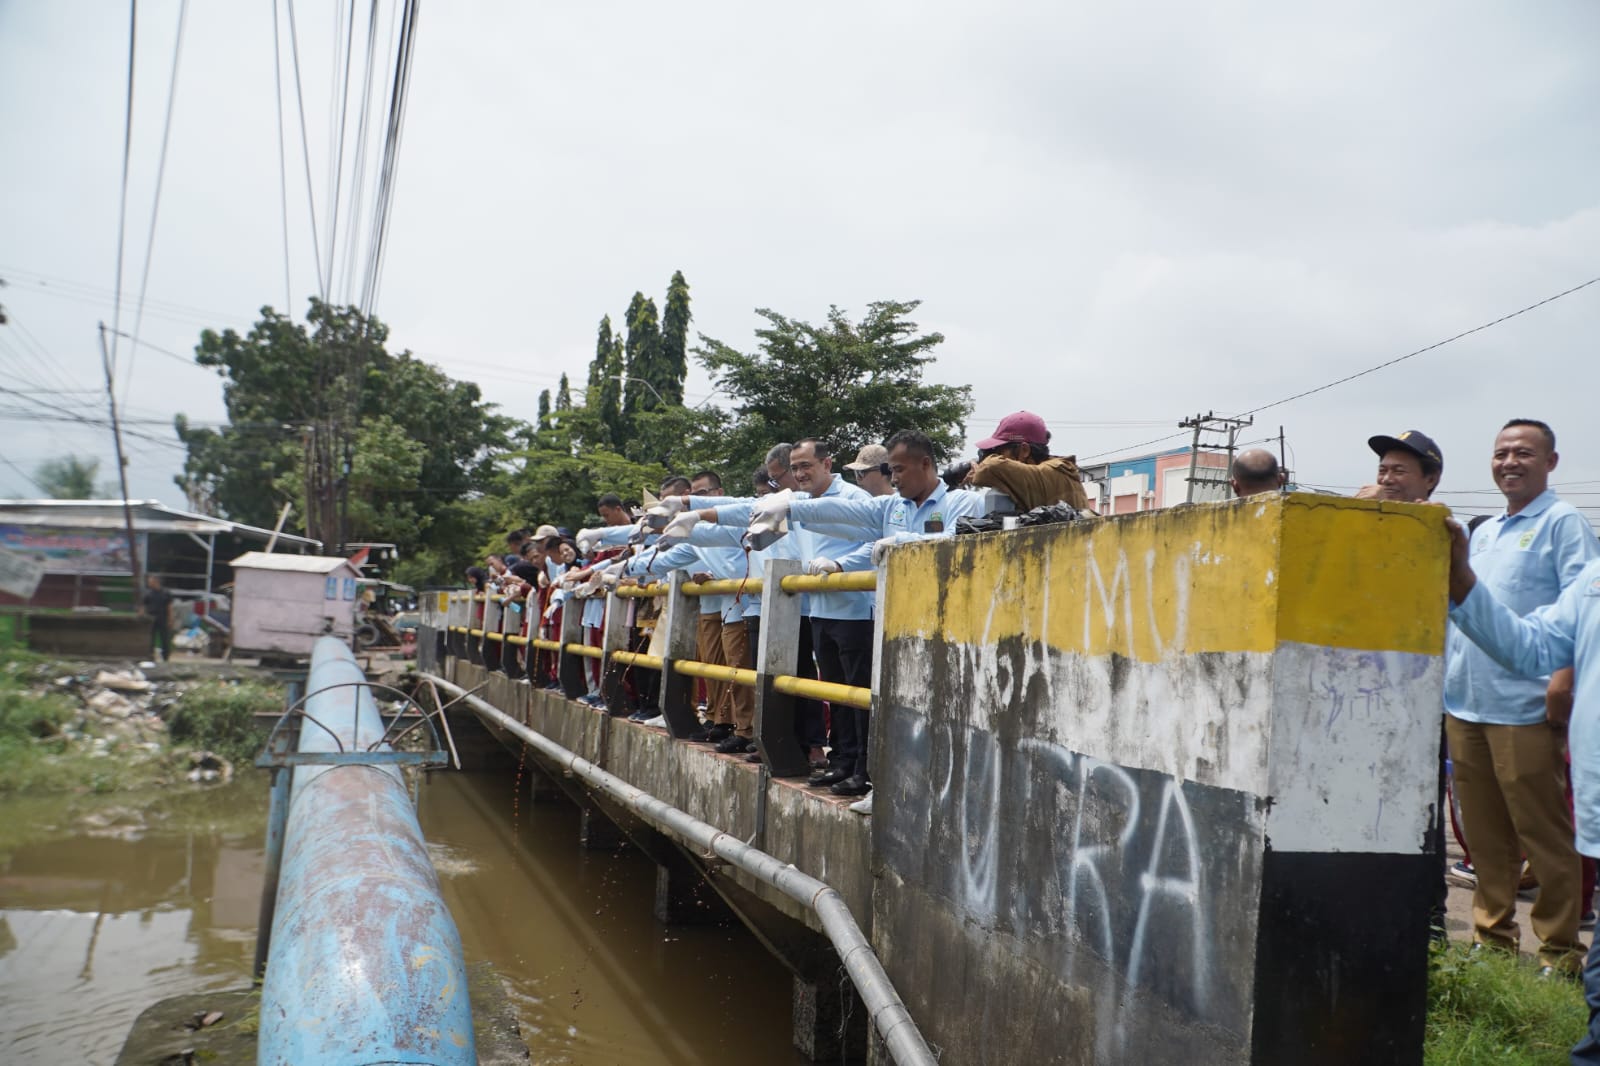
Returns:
(1210, 422)
(122, 465)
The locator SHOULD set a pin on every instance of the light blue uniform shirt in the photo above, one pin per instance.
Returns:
(890, 516)
(719, 562)
(1566, 633)
(745, 604)
(1526, 560)
(850, 551)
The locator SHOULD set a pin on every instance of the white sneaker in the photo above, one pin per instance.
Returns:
(657, 720)
(863, 805)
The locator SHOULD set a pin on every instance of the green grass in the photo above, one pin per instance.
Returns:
(1492, 1009)
(219, 716)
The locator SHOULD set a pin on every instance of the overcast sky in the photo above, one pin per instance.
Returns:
(1117, 214)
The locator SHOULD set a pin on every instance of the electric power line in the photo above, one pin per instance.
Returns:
(305, 149)
(283, 170)
(127, 151)
(1373, 369)
(155, 206)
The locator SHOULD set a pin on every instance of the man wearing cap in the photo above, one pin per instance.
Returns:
(871, 470)
(1015, 459)
(1409, 467)
(1506, 730)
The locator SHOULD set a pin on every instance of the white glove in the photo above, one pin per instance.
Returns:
(678, 529)
(550, 611)
(663, 512)
(591, 586)
(608, 578)
(773, 506)
(769, 520)
(589, 540)
(880, 548)
(822, 566)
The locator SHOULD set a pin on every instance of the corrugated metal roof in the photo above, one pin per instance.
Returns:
(300, 564)
(149, 516)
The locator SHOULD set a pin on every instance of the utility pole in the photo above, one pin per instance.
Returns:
(122, 464)
(1210, 422)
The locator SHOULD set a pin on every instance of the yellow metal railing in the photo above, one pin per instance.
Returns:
(712, 672)
(640, 592)
(806, 688)
(854, 581)
(588, 651)
(635, 658)
(544, 645)
(752, 586)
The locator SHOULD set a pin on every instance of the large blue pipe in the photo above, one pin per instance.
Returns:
(365, 964)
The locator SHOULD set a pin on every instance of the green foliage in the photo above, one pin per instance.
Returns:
(421, 444)
(604, 398)
(674, 341)
(642, 391)
(850, 383)
(1492, 1009)
(68, 478)
(544, 406)
(563, 396)
(219, 716)
(561, 474)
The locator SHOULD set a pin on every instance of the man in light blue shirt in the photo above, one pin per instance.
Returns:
(1508, 765)
(921, 507)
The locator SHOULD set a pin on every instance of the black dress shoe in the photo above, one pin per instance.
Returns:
(830, 777)
(700, 736)
(733, 745)
(856, 785)
(754, 756)
(719, 733)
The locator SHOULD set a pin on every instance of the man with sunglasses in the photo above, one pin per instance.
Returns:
(871, 470)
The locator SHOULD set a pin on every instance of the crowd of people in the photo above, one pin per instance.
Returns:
(797, 506)
(1525, 593)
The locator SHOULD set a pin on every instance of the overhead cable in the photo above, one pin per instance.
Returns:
(155, 206)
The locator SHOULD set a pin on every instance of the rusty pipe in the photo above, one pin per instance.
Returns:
(365, 964)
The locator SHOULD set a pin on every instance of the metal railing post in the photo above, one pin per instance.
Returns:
(475, 622)
(614, 638)
(569, 666)
(682, 619)
(283, 742)
(493, 610)
(778, 653)
(515, 656)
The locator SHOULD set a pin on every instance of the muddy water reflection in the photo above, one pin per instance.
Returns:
(595, 978)
(109, 905)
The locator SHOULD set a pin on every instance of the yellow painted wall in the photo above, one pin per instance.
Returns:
(1240, 576)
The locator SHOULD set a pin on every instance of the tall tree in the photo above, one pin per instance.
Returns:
(852, 383)
(412, 445)
(643, 358)
(674, 362)
(604, 395)
(610, 404)
(68, 478)
(563, 395)
(544, 407)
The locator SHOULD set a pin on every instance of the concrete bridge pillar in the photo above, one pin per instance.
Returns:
(1160, 789)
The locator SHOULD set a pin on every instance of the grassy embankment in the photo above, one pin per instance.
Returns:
(49, 744)
(1491, 1009)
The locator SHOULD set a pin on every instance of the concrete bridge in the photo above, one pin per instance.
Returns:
(1150, 789)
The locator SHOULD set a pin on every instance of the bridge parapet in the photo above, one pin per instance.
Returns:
(1162, 789)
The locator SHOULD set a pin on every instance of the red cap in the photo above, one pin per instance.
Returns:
(1024, 425)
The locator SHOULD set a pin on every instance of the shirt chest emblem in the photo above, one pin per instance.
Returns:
(1525, 540)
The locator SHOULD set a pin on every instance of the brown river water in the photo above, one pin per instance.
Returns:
(110, 904)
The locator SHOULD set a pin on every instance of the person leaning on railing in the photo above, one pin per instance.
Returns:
(841, 622)
(1016, 460)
